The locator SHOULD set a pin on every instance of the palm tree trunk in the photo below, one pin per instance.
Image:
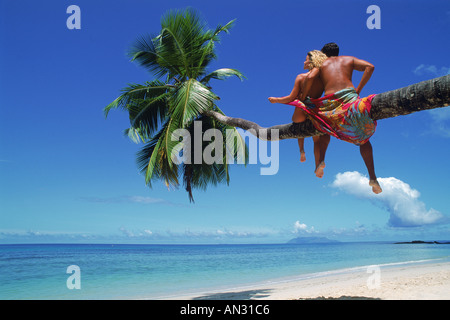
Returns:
(425, 95)
(430, 94)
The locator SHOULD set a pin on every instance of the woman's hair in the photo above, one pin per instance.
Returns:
(316, 58)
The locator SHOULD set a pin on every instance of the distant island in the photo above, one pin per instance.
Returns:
(420, 242)
(311, 240)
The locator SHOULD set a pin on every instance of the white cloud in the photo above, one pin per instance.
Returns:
(32, 236)
(432, 70)
(129, 199)
(145, 200)
(126, 232)
(302, 228)
(217, 234)
(398, 198)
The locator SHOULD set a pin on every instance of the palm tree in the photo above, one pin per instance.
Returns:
(180, 93)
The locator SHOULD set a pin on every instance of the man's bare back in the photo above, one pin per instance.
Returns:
(336, 73)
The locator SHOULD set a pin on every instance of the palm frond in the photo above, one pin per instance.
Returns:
(185, 37)
(212, 37)
(200, 175)
(190, 99)
(221, 74)
(226, 28)
(235, 145)
(135, 135)
(146, 115)
(147, 108)
(134, 92)
(146, 159)
(154, 160)
(145, 51)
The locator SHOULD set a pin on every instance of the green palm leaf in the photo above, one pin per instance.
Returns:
(146, 115)
(190, 99)
(200, 175)
(212, 38)
(154, 160)
(222, 74)
(234, 143)
(146, 105)
(135, 92)
(146, 52)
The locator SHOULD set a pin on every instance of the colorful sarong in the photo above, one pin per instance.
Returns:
(342, 114)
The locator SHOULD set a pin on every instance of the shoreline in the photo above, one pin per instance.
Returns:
(414, 280)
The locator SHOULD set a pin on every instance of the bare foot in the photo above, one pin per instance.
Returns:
(375, 186)
(319, 170)
(302, 156)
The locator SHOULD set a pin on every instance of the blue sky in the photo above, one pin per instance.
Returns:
(69, 175)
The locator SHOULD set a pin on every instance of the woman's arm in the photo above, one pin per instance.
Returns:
(294, 93)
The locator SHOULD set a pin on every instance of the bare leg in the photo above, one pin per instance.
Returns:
(320, 149)
(301, 145)
(367, 155)
(316, 149)
(324, 141)
(297, 117)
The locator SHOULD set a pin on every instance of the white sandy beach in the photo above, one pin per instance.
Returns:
(421, 281)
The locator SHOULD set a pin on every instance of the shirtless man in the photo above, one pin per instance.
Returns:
(336, 74)
(315, 91)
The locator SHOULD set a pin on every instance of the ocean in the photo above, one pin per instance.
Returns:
(122, 271)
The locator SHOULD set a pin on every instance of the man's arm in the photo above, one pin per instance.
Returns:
(313, 74)
(361, 65)
(294, 93)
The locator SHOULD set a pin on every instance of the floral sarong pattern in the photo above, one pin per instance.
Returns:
(342, 114)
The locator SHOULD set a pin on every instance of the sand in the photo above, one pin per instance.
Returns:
(418, 281)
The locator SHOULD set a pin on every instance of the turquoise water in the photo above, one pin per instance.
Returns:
(32, 271)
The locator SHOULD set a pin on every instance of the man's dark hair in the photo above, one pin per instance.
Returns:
(331, 49)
